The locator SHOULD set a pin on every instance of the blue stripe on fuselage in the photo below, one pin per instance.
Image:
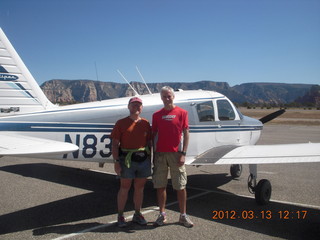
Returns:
(55, 127)
(202, 129)
(87, 127)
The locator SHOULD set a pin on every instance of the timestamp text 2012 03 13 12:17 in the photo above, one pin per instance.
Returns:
(264, 214)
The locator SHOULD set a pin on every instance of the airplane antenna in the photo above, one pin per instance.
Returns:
(143, 80)
(128, 82)
(95, 65)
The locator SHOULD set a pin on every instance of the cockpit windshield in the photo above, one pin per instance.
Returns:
(225, 110)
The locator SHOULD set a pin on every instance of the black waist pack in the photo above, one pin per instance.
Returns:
(139, 156)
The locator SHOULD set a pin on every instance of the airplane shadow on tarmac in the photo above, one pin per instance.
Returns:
(229, 209)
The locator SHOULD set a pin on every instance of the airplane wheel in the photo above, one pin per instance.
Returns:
(263, 192)
(236, 170)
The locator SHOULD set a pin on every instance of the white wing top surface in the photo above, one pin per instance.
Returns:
(20, 145)
(261, 154)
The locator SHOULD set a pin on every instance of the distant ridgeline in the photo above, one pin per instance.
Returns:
(257, 94)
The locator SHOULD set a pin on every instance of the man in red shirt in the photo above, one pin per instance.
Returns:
(169, 124)
(131, 142)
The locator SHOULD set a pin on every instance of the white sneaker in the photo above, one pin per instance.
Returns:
(185, 220)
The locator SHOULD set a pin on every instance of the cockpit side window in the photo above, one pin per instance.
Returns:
(205, 111)
(225, 110)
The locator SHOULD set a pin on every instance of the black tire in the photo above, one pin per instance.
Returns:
(263, 192)
(236, 170)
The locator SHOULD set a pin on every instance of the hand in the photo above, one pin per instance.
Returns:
(181, 160)
(117, 168)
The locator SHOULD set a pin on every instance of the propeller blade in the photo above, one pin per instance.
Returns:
(271, 116)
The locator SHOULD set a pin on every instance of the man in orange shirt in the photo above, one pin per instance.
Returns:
(131, 142)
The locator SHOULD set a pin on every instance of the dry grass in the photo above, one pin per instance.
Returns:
(291, 116)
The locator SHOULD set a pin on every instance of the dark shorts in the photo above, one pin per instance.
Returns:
(136, 170)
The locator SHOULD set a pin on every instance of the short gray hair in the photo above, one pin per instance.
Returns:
(167, 89)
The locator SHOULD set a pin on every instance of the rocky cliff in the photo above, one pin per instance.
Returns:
(72, 91)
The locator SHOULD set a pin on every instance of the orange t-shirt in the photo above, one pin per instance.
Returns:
(132, 134)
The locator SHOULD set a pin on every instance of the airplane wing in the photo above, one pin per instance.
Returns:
(20, 145)
(260, 154)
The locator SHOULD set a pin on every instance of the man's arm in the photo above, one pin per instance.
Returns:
(185, 140)
(115, 149)
(115, 155)
(185, 143)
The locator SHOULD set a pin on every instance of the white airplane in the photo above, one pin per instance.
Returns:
(31, 126)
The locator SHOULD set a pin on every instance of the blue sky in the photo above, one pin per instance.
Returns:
(234, 41)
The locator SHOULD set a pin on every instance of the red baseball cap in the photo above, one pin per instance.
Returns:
(135, 99)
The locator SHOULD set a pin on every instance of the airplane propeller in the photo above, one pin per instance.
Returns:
(271, 116)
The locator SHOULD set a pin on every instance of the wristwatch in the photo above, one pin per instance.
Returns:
(183, 153)
(116, 160)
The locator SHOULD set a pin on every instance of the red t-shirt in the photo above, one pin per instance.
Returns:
(132, 135)
(169, 124)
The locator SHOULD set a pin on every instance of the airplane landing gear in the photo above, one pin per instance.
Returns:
(262, 190)
(235, 170)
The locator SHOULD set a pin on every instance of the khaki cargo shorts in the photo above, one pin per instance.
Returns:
(163, 161)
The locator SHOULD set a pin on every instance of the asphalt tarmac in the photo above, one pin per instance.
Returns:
(42, 199)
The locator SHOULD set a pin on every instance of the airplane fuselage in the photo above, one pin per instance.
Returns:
(213, 120)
